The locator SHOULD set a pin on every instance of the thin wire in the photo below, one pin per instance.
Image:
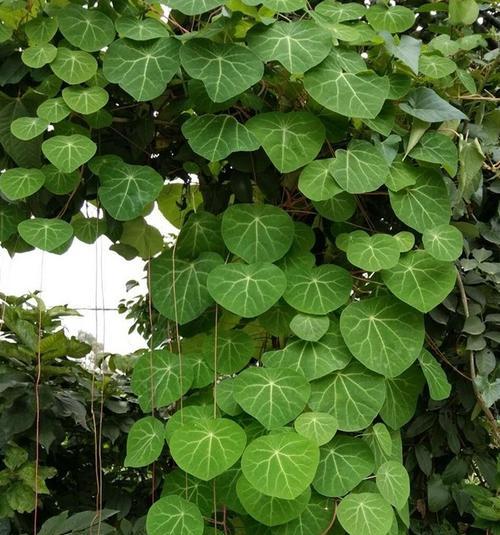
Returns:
(216, 336)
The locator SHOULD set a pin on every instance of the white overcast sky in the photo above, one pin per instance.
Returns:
(70, 279)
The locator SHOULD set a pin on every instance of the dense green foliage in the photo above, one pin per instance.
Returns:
(337, 216)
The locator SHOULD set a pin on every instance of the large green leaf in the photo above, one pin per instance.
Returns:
(19, 183)
(373, 253)
(88, 29)
(74, 66)
(273, 396)
(343, 464)
(308, 327)
(291, 139)
(341, 207)
(313, 359)
(298, 45)
(281, 464)
(159, 378)
(226, 69)
(360, 168)
(247, 290)
(423, 205)
(140, 30)
(40, 30)
(53, 110)
(26, 128)
(194, 7)
(233, 350)
(126, 189)
(352, 94)
(208, 447)
(39, 55)
(200, 234)
(383, 334)
(439, 387)
(340, 12)
(393, 483)
(179, 287)
(45, 234)
(443, 242)
(401, 175)
(314, 520)
(393, 19)
(316, 181)
(437, 148)
(268, 510)
(420, 280)
(435, 66)
(58, 182)
(85, 100)
(354, 396)
(320, 427)
(365, 512)
(318, 290)
(257, 232)
(68, 153)
(174, 514)
(426, 105)
(188, 415)
(142, 68)
(145, 442)
(215, 137)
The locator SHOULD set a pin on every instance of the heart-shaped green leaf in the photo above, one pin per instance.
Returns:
(174, 514)
(140, 29)
(435, 66)
(232, 352)
(247, 290)
(53, 110)
(393, 483)
(145, 442)
(320, 427)
(39, 55)
(19, 183)
(208, 447)
(373, 253)
(393, 19)
(315, 518)
(406, 241)
(420, 280)
(194, 7)
(337, 12)
(58, 182)
(439, 387)
(273, 396)
(26, 128)
(45, 234)
(308, 327)
(383, 334)
(280, 465)
(201, 233)
(343, 464)
(434, 147)
(365, 512)
(85, 100)
(316, 181)
(74, 66)
(291, 139)
(40, 30)
(257, 232)
(68, 153)
(341, 207)
(179, 287)
(198, 492)
(188, 415)
(443, 242)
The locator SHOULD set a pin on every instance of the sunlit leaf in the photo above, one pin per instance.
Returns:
(45, 234)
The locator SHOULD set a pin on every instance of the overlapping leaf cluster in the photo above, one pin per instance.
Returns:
(330, 144)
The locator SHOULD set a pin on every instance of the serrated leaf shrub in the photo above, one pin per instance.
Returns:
(326, 151)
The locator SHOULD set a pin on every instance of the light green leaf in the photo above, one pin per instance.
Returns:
(320, 427)
(383, 334)
(360, 168)
(280, 465)
(401, 398)
(384, 122)
(341, 207)
(352, 94)
(87, 29)
(174, 514)
(159, 378)
(443, 242)
(247, 290)
(340, 12)
(273, 396)
(382, 437)
(188, 416)
(435, 66)
(343, 464)
(198, 492)
(268, 510)
(316, 181)
(10, 216)
(365, 512)
(126, 189)
(257, 232)
(226, 69)
(439, 387)
(45, 234)
(142, 68)
(353, 396)
(423, 205)
(39, 55)
(74, 66)
(40, 30)
(26, 128)
(318, 290)
(5, 33)
(19, 183)
(179, 287)
(407, 49)
(144, 442)
(225, 398)
(393, 483)
(53, 110)
(85, 100)
(146, 239)
(437, 148)
(140, 30)
(298, 45)
(373, 253)
(401, 175)
(313, 359)
(463, 12)
(234, 349)
(59, 183)
(308, 327)
(215, 137)
(393, 19)
(426, 105)
(406, 240)
(420, 280)
(315, 519)
(208, 447)
(68, 153)
(194, 7)
(200, 234)
(291, 139)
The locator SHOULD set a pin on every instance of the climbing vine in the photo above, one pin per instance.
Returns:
(329, 166)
